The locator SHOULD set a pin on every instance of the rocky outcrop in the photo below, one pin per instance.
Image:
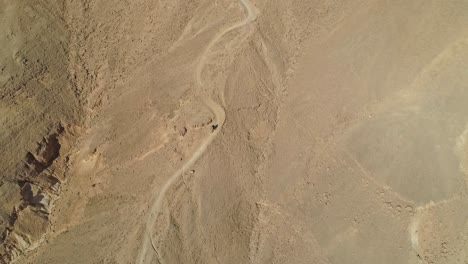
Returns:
(38, 103)
(27, 202)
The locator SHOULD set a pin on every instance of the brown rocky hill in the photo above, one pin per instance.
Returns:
(234, 131)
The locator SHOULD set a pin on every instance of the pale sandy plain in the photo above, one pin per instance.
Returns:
(234, 131)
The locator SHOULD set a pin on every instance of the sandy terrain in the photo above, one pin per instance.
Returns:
(234, 131)
(39, 108)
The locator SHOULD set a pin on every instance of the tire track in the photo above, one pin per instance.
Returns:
(148, 247)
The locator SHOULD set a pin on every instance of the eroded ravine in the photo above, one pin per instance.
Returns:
(148, 248)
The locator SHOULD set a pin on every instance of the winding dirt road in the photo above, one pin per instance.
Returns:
(148, 248)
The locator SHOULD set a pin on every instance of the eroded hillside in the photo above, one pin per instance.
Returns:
(38, 107)
(234, 131)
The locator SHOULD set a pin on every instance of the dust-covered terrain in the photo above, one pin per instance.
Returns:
(234, 131)
(38, 110)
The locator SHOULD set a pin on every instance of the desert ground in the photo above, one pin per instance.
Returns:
(234, 131)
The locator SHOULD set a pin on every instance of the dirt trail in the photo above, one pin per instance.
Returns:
(148, 247)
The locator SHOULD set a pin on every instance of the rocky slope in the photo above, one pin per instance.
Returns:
(38, 108)
(261, 131)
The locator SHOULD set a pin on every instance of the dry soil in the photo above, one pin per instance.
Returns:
(234, 131)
